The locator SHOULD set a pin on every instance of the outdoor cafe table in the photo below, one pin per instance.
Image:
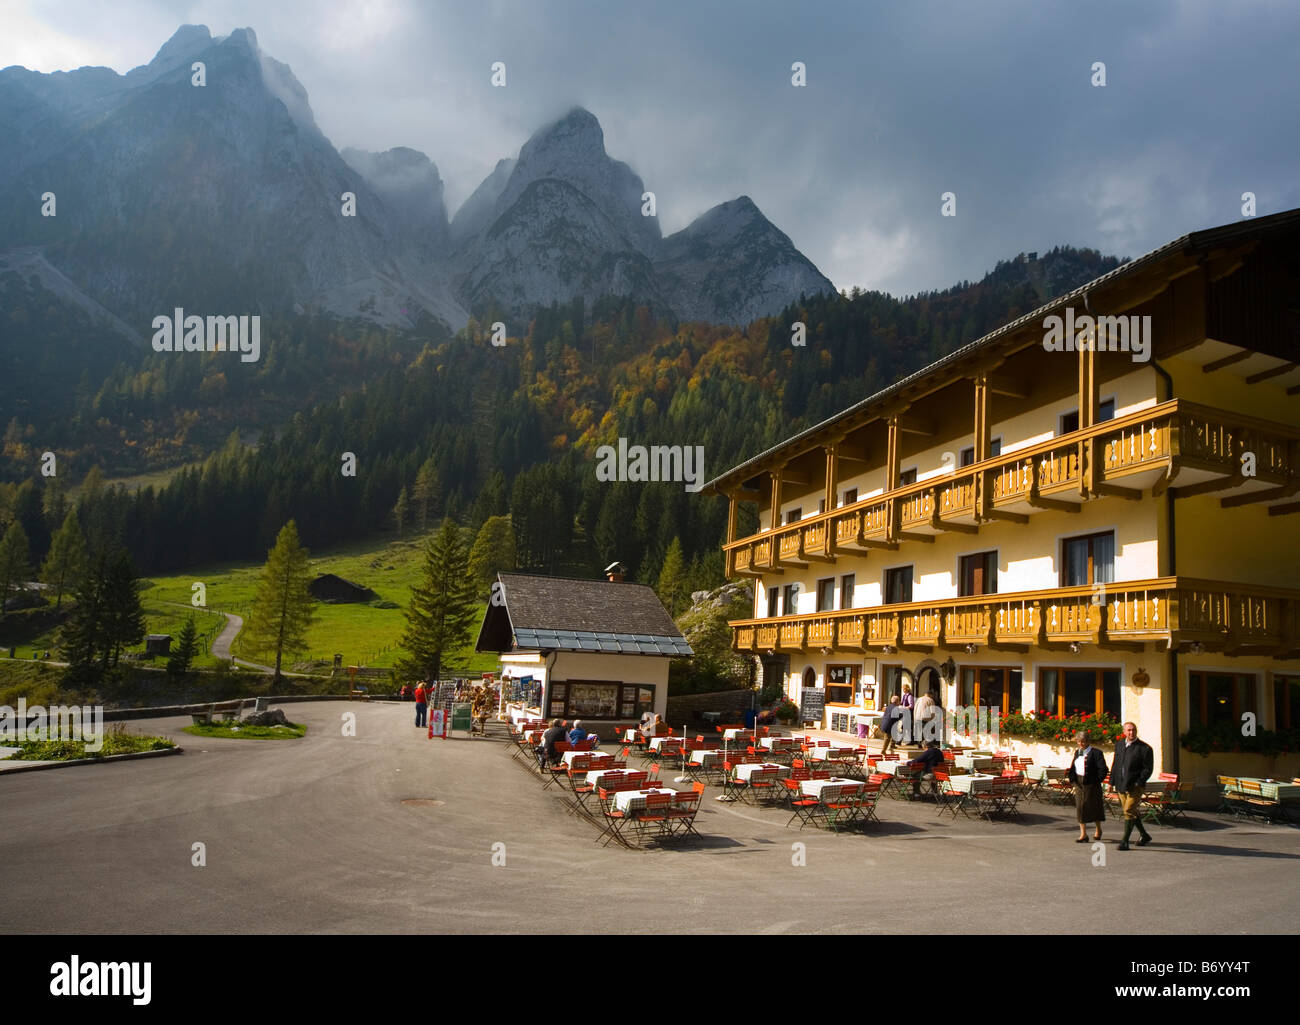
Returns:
(569, 756)
(631, 800)
(969, 784)
(826, 754)
(1043, 773)
(707, 756)
(747, 770)
(776, 743)
(657, 742)
(733, 733)
(887, 768)
(629, 736)
(813, 787)
(595, 775)
(974, 763)
(1275, 791)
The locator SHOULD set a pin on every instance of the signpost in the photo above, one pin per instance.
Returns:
(812, 705)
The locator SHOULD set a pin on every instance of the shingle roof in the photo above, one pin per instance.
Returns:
(1196, 240)
(569, 614)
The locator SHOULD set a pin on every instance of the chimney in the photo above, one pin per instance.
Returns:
(615, 572)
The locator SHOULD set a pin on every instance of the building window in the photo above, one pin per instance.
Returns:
(596, 699)
(773, 598)
(850, 496)
(821, 506)
(993, 687)
(1220, 698)
(1088, 560)
(891, 683)
(1070, 420)
(1286, 702)
(977, 574)
(898, 585)
(793, 515)
(826, 594)
(1071, 691)
(789, 604)
(907, 477)
(841, 683)
(968, 453)
(846, 590)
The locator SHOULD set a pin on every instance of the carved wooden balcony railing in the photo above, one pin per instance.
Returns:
(1219, 616)
(1146, 449)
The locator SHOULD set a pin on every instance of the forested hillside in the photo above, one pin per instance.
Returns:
(459, 427)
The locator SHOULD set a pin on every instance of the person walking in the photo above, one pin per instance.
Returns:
(893, 712)
(421, 703)
(925, 712)
(1133, 765)
(1087, 770)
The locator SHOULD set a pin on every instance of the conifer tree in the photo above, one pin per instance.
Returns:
(14, 560)
(66, 562)
(441, 614)
(283, 608)
(186, 647)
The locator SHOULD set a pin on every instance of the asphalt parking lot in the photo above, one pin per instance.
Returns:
(313, 836)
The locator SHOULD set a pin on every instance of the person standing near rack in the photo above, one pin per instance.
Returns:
(1087, 770)
(421, 703)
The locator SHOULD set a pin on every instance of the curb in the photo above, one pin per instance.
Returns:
(20, 767)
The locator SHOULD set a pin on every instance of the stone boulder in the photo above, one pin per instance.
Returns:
(271, 717)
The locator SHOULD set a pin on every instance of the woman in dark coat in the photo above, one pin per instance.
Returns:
(1087, 770)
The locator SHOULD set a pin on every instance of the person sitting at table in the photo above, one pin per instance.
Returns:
(577, 735)
(655, 728)
(548, 755)
(925, 763)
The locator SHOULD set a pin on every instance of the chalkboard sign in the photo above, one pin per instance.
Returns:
(461, 715)
(812, 705)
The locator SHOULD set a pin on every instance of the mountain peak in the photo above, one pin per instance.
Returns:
(577, 133)
(185, 42)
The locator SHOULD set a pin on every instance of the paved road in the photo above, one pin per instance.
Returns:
(312, 836)
(221, 643)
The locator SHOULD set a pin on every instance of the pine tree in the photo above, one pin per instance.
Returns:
(82, 635)
(493, 551)
(283, 607)
(672, 581)
(442, 610)
(428, 489)
(66, 562)
(123, 615)
(401, 511)
(186, 647)
(14, 561)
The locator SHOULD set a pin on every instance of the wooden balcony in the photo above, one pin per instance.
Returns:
(1217, 616)
(1176, 444)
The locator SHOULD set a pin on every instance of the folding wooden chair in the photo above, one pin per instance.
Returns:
(869, 798)
(805, 807)
(615, 820)
(1180, 798)
(686, 805)
(654, 814)
(765, 784)
(1256, 804)
(951, 799)
(1230, 797)
(733, 786)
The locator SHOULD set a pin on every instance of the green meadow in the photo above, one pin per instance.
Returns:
(364, 634)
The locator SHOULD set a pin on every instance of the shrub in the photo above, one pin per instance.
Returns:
(1101, 729)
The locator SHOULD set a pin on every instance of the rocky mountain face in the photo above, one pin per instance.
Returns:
(227, 198)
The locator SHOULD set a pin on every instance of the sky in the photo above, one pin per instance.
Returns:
(904, 101)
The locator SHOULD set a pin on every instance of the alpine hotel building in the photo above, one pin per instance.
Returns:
(1028, 526)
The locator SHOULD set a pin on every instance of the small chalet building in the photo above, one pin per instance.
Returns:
(597, 650)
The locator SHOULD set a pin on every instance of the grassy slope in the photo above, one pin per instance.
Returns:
(362, 634)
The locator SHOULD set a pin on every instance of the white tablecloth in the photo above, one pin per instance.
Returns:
(813, 787)
(969, 784)
(734, 733)
(709, 757)
(1043, 772)
(974, 763)
(631, 800)
(657, 742)
(595, 775)
(569, 756)
(777, 743)
(745, 771)
(823, 754)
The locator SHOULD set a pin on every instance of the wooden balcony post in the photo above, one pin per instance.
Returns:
(892, 455)
(732, 510)
(832, 485)
(983, 500)
(1089, 409)
(776, 500)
